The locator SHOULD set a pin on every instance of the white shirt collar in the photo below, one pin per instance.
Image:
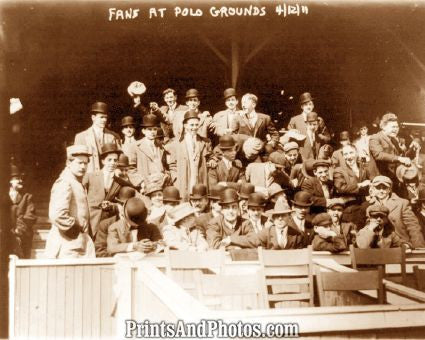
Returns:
(230, 225)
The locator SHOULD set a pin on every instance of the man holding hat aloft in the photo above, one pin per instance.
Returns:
(133, 233)
(128, 129)
(183, 234)
(224, 121)
(69, 211)
(226, 230)
(97, 135)
(190, 156)
(228, 169)
(400, 212)
(379, 231)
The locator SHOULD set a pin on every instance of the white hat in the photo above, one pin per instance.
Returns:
(136, 88)
(77, 150)
(181, 211)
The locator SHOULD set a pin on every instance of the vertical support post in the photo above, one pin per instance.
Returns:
(235, 59)
(12, 286)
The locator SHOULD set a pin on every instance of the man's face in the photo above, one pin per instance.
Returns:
(230, 212)
(99, 120)
(150, 132)
(248, 105)
(322, 173)
(230, 154)
(215, 206)
(110, 162)
(231, 103)
(363, 131)
(193, 103)
(391, 129)
(381, 191)
(170, 99)
(300, 212)
(279, 221)
(156, 198)
(122, 172)
(313, 126)
(335, 213)
(200, 204)
(191, 126)
(292, 156)
(307, 107)
(78, 166)
(350, 155)
(16, 183)
(243, 205)
(254, 213)
(128, 131)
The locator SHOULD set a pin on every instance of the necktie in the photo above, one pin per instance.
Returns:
(283, 239)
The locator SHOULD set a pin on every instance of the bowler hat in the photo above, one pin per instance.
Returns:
(190, 114)
(407, 173)
(256, 200)
(110, 148)
(323, 219)
(305, 97)
(135, 211)
(277, 158)
(123, 161)
(215, 191)
(14, 171)
(377, 209)
(245, 190)
(124, 194)
(149, 120)
(226, 142)
(302, 199)
(171, 194)
(228, 196)
(181, 211)
(99, 107)
(377, 180)
(128, 120)
(198, 191)
(77, 150)
(192, 93)
(230, 92)
(321, 162)
(280, 208)
(312, 117)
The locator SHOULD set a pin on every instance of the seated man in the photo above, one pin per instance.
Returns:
(226, 230)
(244, 191)
(170, 199)
(199, 199)
(215, 208)
(256, 220)
(299, 219)
(133, 233)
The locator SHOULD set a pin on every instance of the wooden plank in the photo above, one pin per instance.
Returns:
(51, 303)
(14, 297)
(106, 294)
(95, 301)
(25, 303)
(78, 303)
(65, 262)
(287, 281)
(285, 258)
(34, 289)
(69, 300)
(87, 305)
(286, 271)
(42, 302)
(60, 302)
(289, 297)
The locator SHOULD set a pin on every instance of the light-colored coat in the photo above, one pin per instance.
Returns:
(69, 213)
(87, 137)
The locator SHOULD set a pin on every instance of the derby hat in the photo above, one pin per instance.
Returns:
(245, 190)
(124, 194)
(149, 120)
(190, 114)
(322, 220)
(377, 209)
(123, 161)
(109, 148)
(302, 199)
(377, 180)
(14, 171)
(230, 92)
(305, 97)
(181, 211)
(256, 200)
(136, 88)
(192, 93)
(77, 150)
(127, 120)
(407, 173)
(228, 196)
(280, 208)
(171, 194)
(226, 142)
(99, 107)
(215, 191)
(198, 191)
(277, 158)
(135, 211)
(312, 117)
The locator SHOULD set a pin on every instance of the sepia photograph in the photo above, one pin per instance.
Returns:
(212, 169)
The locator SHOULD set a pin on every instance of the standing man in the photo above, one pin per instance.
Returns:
(223, 121)
(312, 144)
(69, 210)
(128, 129)
(170, 111)
(97, 135)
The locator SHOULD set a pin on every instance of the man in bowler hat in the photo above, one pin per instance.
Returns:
(128, 129)
(223, 121)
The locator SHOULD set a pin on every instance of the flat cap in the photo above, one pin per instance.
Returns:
(382, 180)
(377, 209)
(323, 219)
(312, 117)
(290, 146)
(277, 158)
(321, 162)
(389, 117)
(77, 150)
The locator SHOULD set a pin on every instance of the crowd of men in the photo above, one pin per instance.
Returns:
(198, 181)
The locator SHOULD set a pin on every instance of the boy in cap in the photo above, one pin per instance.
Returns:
(69, 210)
(224, 121)
(23, 214)
(97, 135)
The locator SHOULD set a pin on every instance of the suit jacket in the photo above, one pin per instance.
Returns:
(69, 214)
(180, 167)
(307, 235)
(222, 174)
(366, 238)
(119, 236)
(23, 215)
(263, 126)
(345, 180)
(384, 153)
(100, 243)
(337, 158)
(87, 137)
(339, 243)
(202, 222)
(313, 186)
(309, 151)
(298, 122)
(217, 231)
(267, 238)
(168, 125)
(222, 124)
